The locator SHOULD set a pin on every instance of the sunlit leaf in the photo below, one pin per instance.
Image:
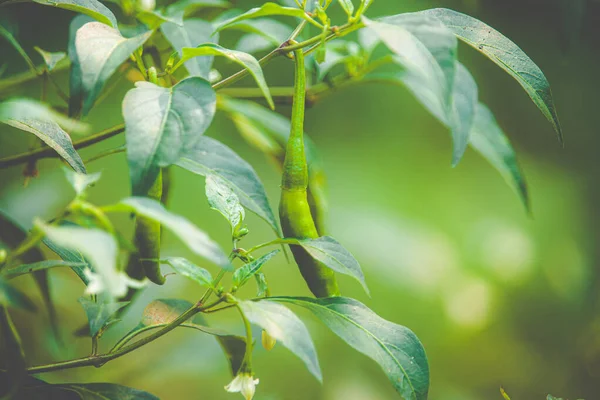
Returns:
(268, 9)
(193, 32)
(394, 347)
(93, 8)
(506, 54)
(161, 123)
(188, 269)
(244, 59)
(283, 325)
(51, 59)
(223, 199)
(242, 274)
(99, 314)
(100, 51)
(197, 241)
(210, 157)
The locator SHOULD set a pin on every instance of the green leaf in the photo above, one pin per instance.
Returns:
(75, 85)
(210, 157)
(191, 34)
(8, 34)
(507, 55)
(81, 182)
(92, 8)
(347, 6)
(99, 314)
(154, 19)
(51, 59)
(161, 123)
(223, 199)
(100, 51)
(188, 269)
(71, 256)
(19, 109)
(264, 33)
(24, 269)
(490, 141)
(333, 255)
(283, 325)
(261, 284)
(242, 274)
(266, 10)
(244, 59)
(190, 6)
(12, 297)
(194, 238)
(394, 347)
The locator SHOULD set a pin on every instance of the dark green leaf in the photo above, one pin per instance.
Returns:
(12, 357)
(191, 34)
(283, 325)
(188, 269)
(51, 59)
(394, 347)
(12, 297)
(102, 391)
(99, 314)
(242, 274)
(93, 8)
(244, 59)
(197, 241)
(210, 157)
(490, 141)
(100, 51)
(7, 33)
(24, 269)
(268, 9)
(506, 54)
(161, 123)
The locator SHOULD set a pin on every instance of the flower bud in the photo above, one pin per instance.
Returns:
(268, 341)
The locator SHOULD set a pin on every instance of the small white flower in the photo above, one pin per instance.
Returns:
(243, 383)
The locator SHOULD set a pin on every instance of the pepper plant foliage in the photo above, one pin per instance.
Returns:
(177, 93)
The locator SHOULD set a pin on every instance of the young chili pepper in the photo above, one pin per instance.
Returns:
(294, 210)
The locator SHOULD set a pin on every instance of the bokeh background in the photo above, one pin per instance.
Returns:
(498, 297)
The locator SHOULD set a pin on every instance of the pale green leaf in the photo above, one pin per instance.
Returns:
(264, 33)
(210, 157)
(81, 182)
(244, 59)
(190, 270)
(51, 59)
(242, 274)
(507, 55)
(100, 51)
(348, 6)
(70, 256)
(283, 325)
(92, 8)
(154, 19)
(394, 347)
(266, 10)
(75, 85)
(18, 109)
(223, 199)
(197, 241)
(192, 33)
(99, 314)
(161, 123)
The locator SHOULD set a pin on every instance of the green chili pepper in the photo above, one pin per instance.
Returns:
(147, 242)
(294, 210)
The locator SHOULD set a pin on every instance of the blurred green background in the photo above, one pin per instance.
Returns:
(498, 298)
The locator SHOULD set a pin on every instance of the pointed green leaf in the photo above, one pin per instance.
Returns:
(24, 269)
(242, 274)
(348, 6)
(210, 157)
(81, 182)
(51, 59)
(161, 123)
(154, 19)
(73, 257)
(244, 59)
(26, 109)
(490, 141)
(394, 347)
(192, 33)
(266, 10)
(283, 325)
(197, 241)
(12, 297)
(100, 51)
(75, 85)
(264, 33)
(99, 314)
(507, 55)
(188, 269)
(7, 33)
(92, 8)
(223, 199)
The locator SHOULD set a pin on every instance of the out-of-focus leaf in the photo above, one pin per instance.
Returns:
(348, 6)
(13, 357)
(12, 297)
(51, 59)
(100, 51)
(264, 33)
(197, 241)
(161, 123)
(22, 109)
(244, 59)
(188, 269)
(99, 314)
(24, 269)
(283, 325)
(507, 55)
(192, 33)
(154, 19)
(394, 347)
(223, 199)
(210, 157)
(7, 31)
(93, 8)
(189, 6)
(266, 10)
(242, 274)
(73, 257)
(81, 182)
